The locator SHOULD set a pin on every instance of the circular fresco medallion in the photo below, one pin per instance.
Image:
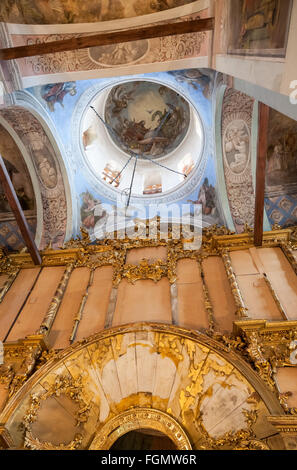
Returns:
(146, 118)
(119, 54)
(236, 144)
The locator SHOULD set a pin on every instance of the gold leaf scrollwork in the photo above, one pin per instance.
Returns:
(261, 363)
(145, 270)
(244, 439)
(63, 385)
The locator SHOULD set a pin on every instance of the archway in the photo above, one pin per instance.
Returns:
(143, 376)
(46, 172)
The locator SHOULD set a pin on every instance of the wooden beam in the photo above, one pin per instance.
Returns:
(260, 172)
(103, 39)
(18, 212)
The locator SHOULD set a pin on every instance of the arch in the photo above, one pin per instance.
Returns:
(211, 394)
(142, 418)
(47, 172)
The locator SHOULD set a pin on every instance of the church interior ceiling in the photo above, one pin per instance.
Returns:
(100, 166)
(177, 106)
(73, 11)
(167, 117)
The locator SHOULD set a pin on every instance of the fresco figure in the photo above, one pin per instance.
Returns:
(259, 25)
(55, 93)
(146, 118)
(91, 210)
(237, 146)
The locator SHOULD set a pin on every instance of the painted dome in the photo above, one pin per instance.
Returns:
(145, 121)
(146, 118)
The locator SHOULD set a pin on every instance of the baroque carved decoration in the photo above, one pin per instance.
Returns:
(270, 345)
(62, 386)
(204, 374)
(142, 418)
(52, 311)
(19, 362)
(241, 308)
(241, 440)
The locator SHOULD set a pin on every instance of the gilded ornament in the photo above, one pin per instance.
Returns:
(244, 439)
(140, 418)
(63, 385)
(145, 270)
(19, 362)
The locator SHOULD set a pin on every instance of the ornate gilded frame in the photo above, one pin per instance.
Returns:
(140, 418)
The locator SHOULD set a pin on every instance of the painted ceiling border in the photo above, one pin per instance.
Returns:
(130, 22)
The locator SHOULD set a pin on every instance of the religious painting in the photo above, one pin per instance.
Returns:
(77, 11)
(91, 210)
(236, 146)
(259, 27)
(119, 54)
(206, 203)
(99, 222)
(281, 170)
(146, 118)
(55, 93)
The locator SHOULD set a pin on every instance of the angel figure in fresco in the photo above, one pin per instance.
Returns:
(237, 146)
(55, 93)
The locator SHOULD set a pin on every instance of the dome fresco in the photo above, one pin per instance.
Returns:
(146, 118)
(147, 121)
(165, 118)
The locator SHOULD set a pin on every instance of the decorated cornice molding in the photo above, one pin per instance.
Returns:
(284, 424)
(82, 252)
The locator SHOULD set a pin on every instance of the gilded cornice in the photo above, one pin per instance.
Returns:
(284, 424)
(81, 252)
